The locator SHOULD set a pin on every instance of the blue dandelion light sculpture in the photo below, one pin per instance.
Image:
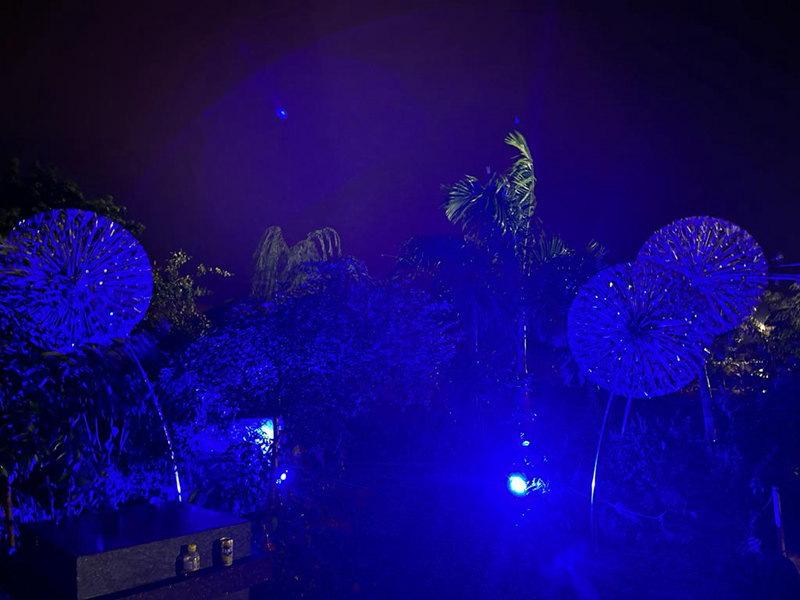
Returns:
(78, 278)
(722, 262)
(726, 268)
(632, 330)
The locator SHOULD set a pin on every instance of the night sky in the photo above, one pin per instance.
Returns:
(634, 118)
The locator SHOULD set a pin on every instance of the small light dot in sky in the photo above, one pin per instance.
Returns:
(281, 112)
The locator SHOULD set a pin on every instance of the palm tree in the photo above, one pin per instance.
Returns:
(280, 269)
(498, 215)
(503, 207)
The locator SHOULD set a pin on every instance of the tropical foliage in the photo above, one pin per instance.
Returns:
(343, 344)
(509, 281)
(173, 308)
(280, 269)
(77, 433)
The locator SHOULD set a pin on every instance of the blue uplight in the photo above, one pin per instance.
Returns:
(263, 435)
(517, 484)
(260, 432)
(267, 430)
(281, 112)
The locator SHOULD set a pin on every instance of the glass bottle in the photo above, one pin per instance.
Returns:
(190, 560)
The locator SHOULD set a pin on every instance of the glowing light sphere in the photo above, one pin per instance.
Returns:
(77, 278)
(632, 330)
(721, 261)
(517, 484)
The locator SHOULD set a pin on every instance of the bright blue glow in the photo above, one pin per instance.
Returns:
(282, 478)
(517, 484)
(263, 435)
(526, 443)
(267, 430)
(260, 432)
(281, 112)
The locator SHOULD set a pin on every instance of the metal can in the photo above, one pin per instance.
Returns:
(226, 551)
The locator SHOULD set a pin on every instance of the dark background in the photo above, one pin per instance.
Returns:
(635, 116)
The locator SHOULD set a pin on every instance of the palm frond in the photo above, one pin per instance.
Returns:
(522, 178)
(302, 252)
(476, 206)
(548, 248)
(595, 250)
(280, 269)
(270, 260)
(327, 242)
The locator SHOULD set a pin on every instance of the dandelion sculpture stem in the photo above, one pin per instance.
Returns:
(164, 428)
(594, 469)
(628, 405)
(705, 399)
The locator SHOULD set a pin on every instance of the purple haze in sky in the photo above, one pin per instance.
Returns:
(634, 119)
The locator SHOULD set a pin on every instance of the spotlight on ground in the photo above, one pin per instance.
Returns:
(517, 484)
